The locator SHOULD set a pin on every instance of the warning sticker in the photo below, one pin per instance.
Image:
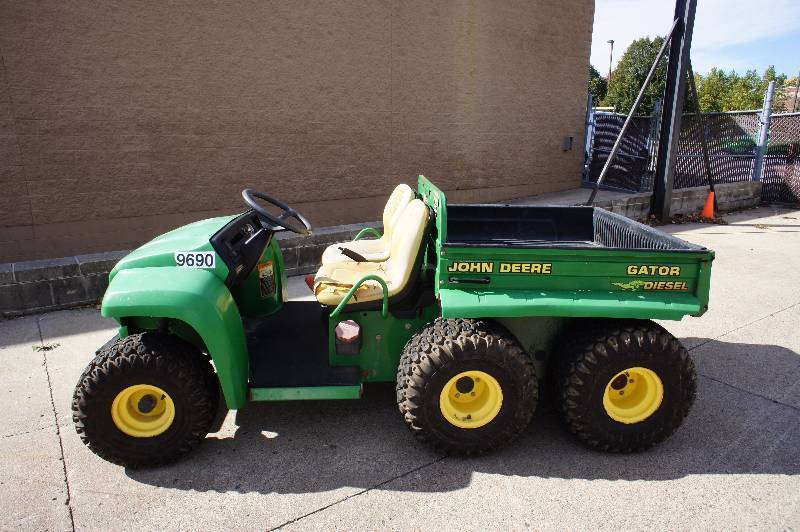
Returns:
(266, 279)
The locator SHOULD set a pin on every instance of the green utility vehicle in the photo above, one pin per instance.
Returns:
(466, 307)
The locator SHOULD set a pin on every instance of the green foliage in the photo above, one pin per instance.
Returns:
(597, 85)
(720, 91)
(627, 79)
(717, 91)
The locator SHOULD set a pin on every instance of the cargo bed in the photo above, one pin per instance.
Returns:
(524, 226)
(514, 261)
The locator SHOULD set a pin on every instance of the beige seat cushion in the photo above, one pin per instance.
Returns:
(375, 250)
(333, 281)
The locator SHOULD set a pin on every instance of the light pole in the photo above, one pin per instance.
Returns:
(796, 90)
(610, 58)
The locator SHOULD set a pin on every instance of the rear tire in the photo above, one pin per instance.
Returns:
(465, 386)
(595, 370)
(145, 400)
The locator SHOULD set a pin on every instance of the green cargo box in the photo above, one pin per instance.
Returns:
(520, 261)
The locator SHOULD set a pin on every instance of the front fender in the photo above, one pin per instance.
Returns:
(198, 298)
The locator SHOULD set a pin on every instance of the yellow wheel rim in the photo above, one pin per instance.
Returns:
(471, 399)
(142, 411)
(633, 395)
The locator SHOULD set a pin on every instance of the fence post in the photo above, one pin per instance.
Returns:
(652, 141)
(588, 146)
(763, 133)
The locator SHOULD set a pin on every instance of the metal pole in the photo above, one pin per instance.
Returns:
(703, 144)
(763, 134)
(636, 103)
(588, 141)
(610, 60)
(796, 90)
(652, 142)
(674, 93)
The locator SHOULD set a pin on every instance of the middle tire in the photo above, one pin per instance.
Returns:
(465, 386)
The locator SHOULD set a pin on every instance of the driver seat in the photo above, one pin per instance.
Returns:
(375, 250)
(333, 281)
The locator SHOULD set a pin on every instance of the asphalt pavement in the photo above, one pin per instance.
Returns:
(735, 463)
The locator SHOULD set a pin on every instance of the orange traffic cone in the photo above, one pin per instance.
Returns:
(708, 209)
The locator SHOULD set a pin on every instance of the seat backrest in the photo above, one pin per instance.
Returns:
(401, 196)
(406, 241)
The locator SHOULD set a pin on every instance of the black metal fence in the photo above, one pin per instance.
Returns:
(731, 140)
(630, 169)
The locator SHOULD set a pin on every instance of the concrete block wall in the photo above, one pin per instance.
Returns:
(730, 197)
(121, 120)
(50, 284)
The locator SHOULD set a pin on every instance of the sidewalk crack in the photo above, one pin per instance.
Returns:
(726, 333)
(362, 492)
(68, 502)
(770, 399)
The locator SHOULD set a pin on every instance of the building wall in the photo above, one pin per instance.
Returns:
(120, 120)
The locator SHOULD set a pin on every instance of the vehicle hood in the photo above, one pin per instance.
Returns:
(160, 252)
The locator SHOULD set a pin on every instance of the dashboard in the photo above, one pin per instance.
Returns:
(240, 245)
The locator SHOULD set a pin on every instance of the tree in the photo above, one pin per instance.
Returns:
(712, 90)
(597, 85)
(791, 85)
(718, 91)
(627, 79)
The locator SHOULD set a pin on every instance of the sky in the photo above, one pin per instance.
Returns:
(729, 34)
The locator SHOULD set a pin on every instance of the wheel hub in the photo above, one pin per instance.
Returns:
(471, 399)
(142, 411)
(146, 404)
(633, 395)
(465, 384)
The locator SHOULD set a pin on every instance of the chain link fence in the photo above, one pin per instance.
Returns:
(731, 140)
(781, 176)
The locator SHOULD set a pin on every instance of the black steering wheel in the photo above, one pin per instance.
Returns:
(284, 221)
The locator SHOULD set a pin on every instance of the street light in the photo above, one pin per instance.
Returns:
(610, 58)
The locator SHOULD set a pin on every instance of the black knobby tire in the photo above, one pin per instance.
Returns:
(446, 348)
(146, 358)
(585, 364)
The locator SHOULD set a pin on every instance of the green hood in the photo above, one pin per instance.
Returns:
(160, 252)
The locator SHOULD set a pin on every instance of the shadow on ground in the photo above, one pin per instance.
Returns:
(300, 447)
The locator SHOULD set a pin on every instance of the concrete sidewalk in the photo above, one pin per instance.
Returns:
(735, 463)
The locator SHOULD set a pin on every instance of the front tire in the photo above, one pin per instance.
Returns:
(465, 386)
(145, 400)
(623, 385)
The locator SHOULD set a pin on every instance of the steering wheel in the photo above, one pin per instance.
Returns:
(284, 221)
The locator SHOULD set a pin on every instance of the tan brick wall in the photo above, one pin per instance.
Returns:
(119, 120)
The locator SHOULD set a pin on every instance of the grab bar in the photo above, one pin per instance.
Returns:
(343, 302)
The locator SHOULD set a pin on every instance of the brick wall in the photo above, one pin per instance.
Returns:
(120, 120)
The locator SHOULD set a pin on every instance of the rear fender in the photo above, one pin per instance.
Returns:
(198, 298)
